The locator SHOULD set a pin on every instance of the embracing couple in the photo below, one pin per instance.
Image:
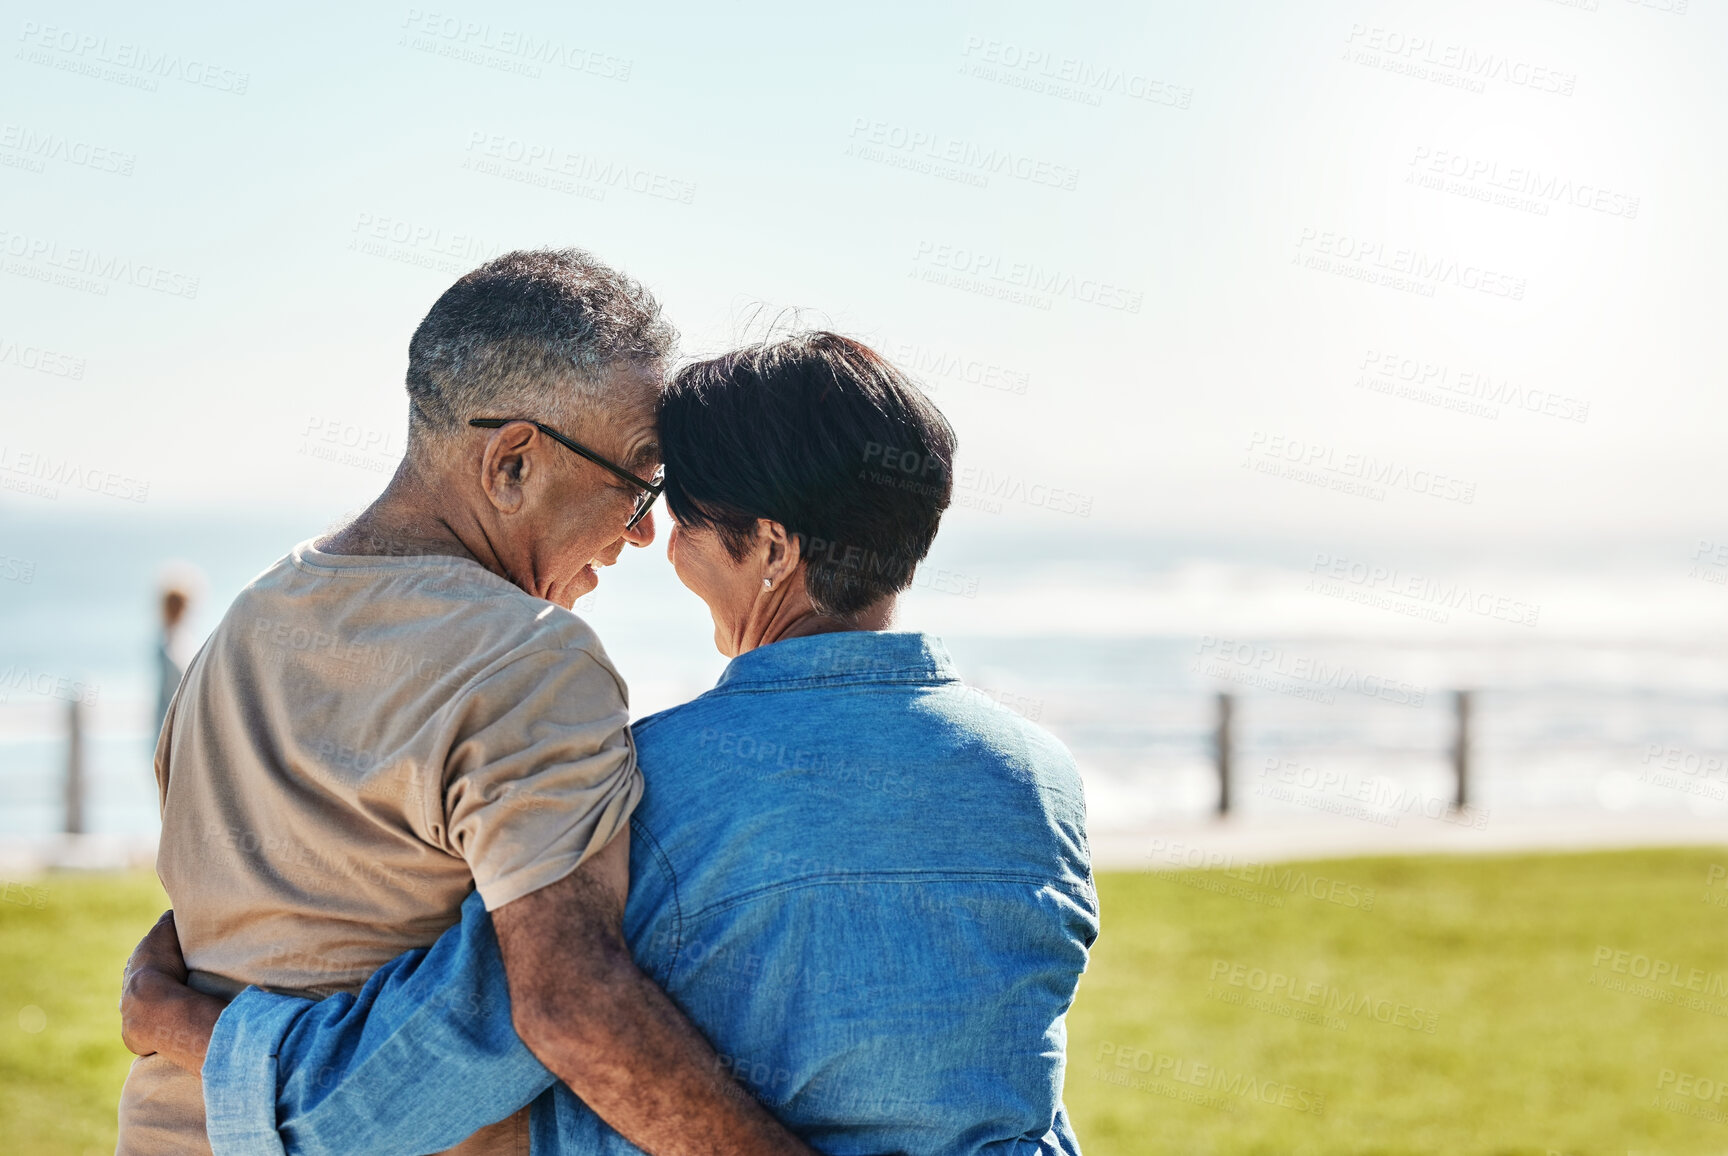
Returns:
(432, 891)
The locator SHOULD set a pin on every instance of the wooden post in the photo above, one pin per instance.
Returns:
(1222, 747)
(1461, 748)
(74, 768)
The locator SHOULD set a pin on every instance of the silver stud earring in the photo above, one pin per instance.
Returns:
(767, 584)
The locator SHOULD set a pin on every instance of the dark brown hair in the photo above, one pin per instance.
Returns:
(823, 435)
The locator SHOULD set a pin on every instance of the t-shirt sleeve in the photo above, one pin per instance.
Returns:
(541, 772)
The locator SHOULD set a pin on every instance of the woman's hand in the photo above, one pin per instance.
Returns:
(159, 1014)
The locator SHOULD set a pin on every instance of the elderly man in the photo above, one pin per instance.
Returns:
(405, 711)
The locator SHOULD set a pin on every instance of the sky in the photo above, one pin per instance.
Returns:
(1437, 278)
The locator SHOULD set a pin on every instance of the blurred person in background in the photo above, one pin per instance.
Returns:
(179, 586)
(867, 884)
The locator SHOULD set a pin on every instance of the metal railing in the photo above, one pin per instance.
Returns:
(1629, 729)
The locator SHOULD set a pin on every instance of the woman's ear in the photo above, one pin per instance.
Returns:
(777, 549)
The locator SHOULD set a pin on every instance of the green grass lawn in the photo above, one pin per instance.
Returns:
(1463, 1009)
(1496, 955)
(63, 940)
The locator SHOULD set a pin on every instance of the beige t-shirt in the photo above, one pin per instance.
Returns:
(362, 741)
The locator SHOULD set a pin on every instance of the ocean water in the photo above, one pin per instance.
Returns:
(1593, 694)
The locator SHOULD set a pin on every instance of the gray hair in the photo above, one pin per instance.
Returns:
(532, 333)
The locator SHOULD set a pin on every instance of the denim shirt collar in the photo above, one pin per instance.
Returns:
(845, 657)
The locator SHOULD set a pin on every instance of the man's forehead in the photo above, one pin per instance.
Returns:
(634, 383)
(633, 410)
(618, 390)
(631, 417)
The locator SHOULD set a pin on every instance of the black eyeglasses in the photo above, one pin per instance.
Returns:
(650, 489)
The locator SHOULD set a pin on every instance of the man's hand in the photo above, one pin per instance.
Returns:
(581, 1005)
(159, 1014)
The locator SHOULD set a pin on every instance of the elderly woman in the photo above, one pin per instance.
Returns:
(866, 884)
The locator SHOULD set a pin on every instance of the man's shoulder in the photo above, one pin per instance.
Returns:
(442, 617)
(543, 625)
(517, 636)
(557, 639)
(456, 600)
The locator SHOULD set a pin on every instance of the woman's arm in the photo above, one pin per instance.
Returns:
(423, 1056)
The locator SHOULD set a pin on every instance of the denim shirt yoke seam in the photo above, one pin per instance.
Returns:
(841, 878)
(808, 681)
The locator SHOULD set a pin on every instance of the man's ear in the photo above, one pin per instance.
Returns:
(778, 550)
(506, 463)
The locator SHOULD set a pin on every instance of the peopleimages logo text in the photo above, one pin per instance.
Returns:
(47, 253)
(442, 29)
(89, 49)
(1083, 75)
(1364, 468)
(41, 360)
(1451, 595)
(1521, 181)
(1476, 385)
(1262, 659)
(990, 267)
(37, 472)
(940, 147)
(1418, 51)
(1423, 268)
(1335, 1000)
(49, 146)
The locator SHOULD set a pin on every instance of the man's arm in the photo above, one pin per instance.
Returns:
(158, 1012)
(541, 775)
(590, 1015)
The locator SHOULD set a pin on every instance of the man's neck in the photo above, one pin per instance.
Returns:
(402, 522)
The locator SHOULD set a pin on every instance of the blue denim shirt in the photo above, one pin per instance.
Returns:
(867, 884)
